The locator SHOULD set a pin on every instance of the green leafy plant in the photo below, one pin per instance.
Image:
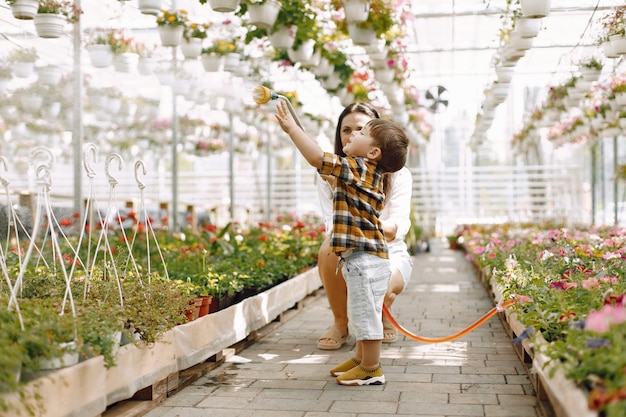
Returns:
(24, 55)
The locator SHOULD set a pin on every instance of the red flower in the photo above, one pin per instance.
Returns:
(563, 285)
(65, 222)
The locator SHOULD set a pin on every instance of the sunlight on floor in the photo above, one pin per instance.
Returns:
(437, 288)
(440, 354)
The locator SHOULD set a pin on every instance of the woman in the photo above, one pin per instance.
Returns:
(396, 221)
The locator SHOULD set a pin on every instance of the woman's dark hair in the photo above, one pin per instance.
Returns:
(364, 108)
(368, 110)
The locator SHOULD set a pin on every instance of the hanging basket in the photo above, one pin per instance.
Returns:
(356, 11)
(125, 62)
(171, 35)
(384, 75)
(535, 8)
(151, 7)
(231, 61)
(618, 43)
(527, 28)
(49, 25)
(264, 15)
(284, 37)
(25, 9)
(50, 75)
(360, 36)
(191, 48)
(224, 6)
(303, 53)
(101, 56)
(212, 62)
(146, 65)
(23, 69)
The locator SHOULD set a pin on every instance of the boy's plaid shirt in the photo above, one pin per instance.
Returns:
(357, 201)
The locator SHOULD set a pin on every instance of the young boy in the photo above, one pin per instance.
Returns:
(380, 146)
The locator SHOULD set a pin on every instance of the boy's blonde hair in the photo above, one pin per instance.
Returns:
(392, 141)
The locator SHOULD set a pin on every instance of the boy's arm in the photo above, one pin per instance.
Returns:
(308, 147)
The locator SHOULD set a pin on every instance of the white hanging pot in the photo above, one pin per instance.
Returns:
(535, 8)
(590, 74)
(618, 43)
(324, 68)
(332, 82)
(521, 44)
(384, 75)
(50, 75)
(284, 37)
(356, 10)
(526, 27)
(171, 35)
(224, 6)
(23, 69)
(504, 74)
(212, 62)
(361, 36)
(101, 56)
(607, 48)
(146, 65)
(151, 7)
(49, 25)
(264, 15)
(125, 62)
(303, 53)
(345, 97)
(231, 61)
(24, 9)
(191, 48)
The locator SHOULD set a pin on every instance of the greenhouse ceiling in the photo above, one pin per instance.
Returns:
(451, 43)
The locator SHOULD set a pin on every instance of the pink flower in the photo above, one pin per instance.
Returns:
(523, 298)
(563, 285)
(479, 250)
(610, 279)
(590, 283)
(611, 255)
(600, 321)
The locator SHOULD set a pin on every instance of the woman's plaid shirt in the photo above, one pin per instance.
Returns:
(357, 202)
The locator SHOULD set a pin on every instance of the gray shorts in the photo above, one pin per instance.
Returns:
(367, 278)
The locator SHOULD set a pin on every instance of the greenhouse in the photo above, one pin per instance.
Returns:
(163, 232)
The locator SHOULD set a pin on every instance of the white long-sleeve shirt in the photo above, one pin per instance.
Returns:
(397, 207)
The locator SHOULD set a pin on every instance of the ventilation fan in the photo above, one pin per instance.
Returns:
(436, 98)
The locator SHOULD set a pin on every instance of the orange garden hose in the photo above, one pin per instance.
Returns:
(454, 336)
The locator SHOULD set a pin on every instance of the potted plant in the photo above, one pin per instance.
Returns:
(52, 15)
(261, 13)
(193, 36)
(23, 9)
(171, 25)
(382, 17)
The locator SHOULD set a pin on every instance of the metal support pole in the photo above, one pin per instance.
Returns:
(77, 131)
(268, 214)
(174, 209)
(615, 184)
(594, 180)
(231, 164)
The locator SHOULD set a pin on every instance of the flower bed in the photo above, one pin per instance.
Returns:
(86, 389)
(570, 288)
(121, 276)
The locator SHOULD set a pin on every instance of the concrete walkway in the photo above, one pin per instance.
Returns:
(283, 374)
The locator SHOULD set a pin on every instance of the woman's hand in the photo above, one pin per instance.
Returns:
(389, 230)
